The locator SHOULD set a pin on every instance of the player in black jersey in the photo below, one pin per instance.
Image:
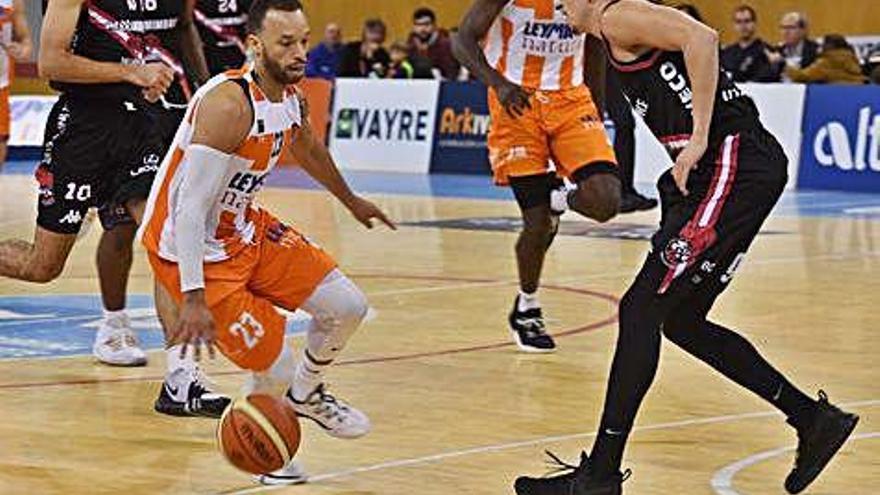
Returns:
(728, 174)
(221, 26)
(119, 67)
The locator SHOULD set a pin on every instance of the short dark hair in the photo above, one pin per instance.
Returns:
(374, 24)
(424, 12)
(257, 13)
(749, 9)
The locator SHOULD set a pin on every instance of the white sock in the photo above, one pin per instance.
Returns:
(528, 301)
(116, 318)
(177, 364)
(307, 376)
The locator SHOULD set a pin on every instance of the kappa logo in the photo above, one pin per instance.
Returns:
(678, 251)
(73, 217)
(641, 107)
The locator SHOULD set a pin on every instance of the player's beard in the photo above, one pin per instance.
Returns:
(285, 75)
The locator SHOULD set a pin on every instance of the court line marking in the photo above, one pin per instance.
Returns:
(722, 481)
(348, 362)
(525, 443)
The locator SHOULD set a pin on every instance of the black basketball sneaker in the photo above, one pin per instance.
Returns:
(573, 480)
(529, 331)
(188, 395)
(818, 442)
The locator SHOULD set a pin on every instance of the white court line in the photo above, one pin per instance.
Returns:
(526, 443)
(722, 482)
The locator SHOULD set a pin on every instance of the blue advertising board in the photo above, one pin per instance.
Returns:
(461, 130)
(840, 148)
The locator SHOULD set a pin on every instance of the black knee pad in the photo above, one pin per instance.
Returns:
(534, 190)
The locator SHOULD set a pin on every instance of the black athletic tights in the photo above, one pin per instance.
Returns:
(682, 319)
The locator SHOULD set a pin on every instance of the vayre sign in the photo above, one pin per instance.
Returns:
(841, 139)
(383, 125)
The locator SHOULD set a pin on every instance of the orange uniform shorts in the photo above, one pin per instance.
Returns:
(562, 126)
(4, 112)
(243, 291)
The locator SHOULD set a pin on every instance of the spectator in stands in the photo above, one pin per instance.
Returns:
(796, 50)
(836, 64)
(367, 57)
(401, 67)
(324, 58)
(746, 59)
(875, 75)
(427, 40)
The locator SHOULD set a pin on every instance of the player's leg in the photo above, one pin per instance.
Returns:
(540, 226)
(520, 157)
(40, 261)
(294, 273)
(115, 341)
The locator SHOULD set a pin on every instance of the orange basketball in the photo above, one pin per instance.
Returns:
(259, 433)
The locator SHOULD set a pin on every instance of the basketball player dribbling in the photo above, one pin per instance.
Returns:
(226, 262)
(533, 63)
(729, 172)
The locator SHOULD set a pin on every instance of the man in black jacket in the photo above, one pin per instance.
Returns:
(746, 59)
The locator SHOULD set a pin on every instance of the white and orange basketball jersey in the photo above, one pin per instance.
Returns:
(6, 9)
(532, 44)
(231, 219)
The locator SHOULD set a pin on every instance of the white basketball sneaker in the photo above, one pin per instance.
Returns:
(338, 418)
(291, 474)
(116, 344)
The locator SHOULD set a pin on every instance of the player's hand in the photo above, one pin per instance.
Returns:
(18, 51)
(687, 160)
(365, 212)
(195, 326)
(773, 57)
(513, 98)
(154, 77)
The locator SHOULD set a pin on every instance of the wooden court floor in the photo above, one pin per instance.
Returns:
(455, 408)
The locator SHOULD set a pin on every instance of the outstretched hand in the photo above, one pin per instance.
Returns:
(365, 212)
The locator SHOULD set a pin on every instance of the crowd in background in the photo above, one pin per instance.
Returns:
(427, 53)
(796, 57)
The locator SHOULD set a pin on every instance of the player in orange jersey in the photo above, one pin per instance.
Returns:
(533, 63)
(226, 262)
(15, 45)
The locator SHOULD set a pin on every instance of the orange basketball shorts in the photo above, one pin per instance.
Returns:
(4, 113)
(243, 291)
(562, 126)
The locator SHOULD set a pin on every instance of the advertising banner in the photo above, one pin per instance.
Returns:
(841, 139)
(384, 125)
(461, 130)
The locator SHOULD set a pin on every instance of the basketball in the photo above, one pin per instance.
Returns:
(258, 433)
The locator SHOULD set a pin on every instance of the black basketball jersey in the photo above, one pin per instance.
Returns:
(128, 32)
(222, 29)
(658, 87)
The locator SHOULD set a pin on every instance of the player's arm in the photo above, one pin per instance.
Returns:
(466, 48)
(595, 70)
(22, 45)
(314, 157)
(191, 48)
(58, 63)
(222, 121)
(634, 24)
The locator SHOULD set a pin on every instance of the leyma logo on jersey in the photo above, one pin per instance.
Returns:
(841, 140)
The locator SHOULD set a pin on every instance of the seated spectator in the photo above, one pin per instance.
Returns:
(837, 64)
(324, 58)
(401, 67)
(367, 57)
(796, 50)
(875, 75)
(746, 60)
(433, 43)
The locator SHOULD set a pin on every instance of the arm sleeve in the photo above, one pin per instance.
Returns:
(203, 177)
